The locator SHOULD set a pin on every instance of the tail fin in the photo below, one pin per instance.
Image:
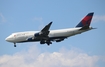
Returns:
(86, 20)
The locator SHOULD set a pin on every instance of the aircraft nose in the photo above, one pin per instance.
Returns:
(9, 39)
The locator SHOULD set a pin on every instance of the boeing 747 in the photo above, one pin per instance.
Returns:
(46, 36)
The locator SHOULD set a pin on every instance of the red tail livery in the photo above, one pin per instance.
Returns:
(86, 20)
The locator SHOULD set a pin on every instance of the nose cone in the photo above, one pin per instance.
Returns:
(6, 39)
(9, 38)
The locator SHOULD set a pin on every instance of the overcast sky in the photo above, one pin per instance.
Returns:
(83, 50)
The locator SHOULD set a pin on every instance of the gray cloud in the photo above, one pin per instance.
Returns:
(62, 58)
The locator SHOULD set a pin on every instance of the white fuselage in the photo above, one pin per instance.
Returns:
(23, 36)
(46, 35)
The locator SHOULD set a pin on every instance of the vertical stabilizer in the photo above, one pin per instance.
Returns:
(86, 20)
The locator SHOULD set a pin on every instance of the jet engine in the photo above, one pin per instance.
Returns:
(30, 39)
(59, 40)
(38, 34)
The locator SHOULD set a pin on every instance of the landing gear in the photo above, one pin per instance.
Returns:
(46, 41)
(14, 44)
(42, 42)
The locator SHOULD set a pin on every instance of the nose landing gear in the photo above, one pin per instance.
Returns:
(14, 44)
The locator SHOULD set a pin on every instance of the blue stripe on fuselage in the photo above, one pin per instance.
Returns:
(38, 39)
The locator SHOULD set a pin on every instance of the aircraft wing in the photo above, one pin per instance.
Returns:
(47, 27)
(44, 32)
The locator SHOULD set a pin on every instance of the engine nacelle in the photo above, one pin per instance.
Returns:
(59, 40)
(30, 39)
(38, 34)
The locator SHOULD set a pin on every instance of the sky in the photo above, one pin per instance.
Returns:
(83, 50)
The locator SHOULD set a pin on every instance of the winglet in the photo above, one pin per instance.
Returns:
(86, 20)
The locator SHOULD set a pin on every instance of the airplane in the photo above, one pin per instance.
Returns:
(46, 36)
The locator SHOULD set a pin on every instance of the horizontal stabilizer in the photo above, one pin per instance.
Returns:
(84, 28)
(87, 27)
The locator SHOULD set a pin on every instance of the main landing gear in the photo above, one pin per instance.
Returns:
(47, 42)
(14, 44)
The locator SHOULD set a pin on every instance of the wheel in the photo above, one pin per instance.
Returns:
(42, 42)
(14, 45)
(48, 43)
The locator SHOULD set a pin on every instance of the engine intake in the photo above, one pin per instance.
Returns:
(38, 34)
(30, 39)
